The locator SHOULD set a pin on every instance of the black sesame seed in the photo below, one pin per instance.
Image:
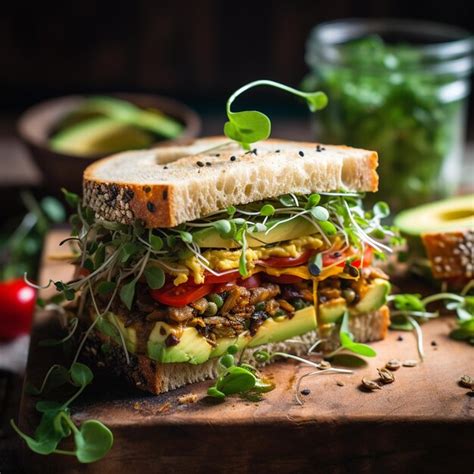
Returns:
(300, 153)
(277, 151)
(200, 164)
(208, 163)
(150, 206)
(337, 254)
(400, 338)
(165, 167)
(233, 158)
(254, 151)
(165, 194)
(147, 189)
(305, 391)
(217, 154)
(318, 148)
(434, 343)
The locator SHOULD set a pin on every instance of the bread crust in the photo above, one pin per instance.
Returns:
(171, 185)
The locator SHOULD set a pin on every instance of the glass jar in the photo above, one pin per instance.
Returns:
(398, 87)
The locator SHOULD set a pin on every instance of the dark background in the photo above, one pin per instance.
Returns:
(198, 51)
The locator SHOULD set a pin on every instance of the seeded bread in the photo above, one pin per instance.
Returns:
(164, 187)
(154, 377)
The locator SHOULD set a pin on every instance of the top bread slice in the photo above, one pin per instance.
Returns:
(164, 187)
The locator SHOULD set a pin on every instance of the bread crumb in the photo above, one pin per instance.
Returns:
(188, 398)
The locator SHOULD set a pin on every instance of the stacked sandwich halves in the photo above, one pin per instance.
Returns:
(191, 249)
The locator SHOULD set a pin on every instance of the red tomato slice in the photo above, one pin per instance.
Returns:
(181, 295)
(224, 286)
(250, 282)
(230, 276)
(282, 262)
(284, 279)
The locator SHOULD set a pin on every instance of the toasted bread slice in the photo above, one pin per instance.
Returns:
(164, 187)
(151, 376)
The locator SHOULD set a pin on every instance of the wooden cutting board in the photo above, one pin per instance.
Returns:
(424, 421)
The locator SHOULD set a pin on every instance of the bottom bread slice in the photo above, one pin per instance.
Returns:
(149, 375)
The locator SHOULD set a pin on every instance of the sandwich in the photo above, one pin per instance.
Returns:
(187, 250)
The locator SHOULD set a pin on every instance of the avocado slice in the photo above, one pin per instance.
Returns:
(99, 135)
(281, 328)
(223, 344)
(375, 297)
(298, 227)
(192, 347)
(449, 214)
(331, 311)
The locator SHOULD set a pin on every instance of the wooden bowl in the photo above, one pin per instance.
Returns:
(61, 170)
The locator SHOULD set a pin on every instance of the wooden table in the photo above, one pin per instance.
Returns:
(424, 421)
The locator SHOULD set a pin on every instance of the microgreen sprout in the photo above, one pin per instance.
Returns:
(411, 310)
(251, 126)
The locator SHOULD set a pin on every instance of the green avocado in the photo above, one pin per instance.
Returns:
(375, 297)
(223, 343)
(191, 348)
(279, 329)
(331, 311)
(449, 214)
(99, 135)
(298, 227)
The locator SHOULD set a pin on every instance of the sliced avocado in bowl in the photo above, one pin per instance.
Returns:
(99, 135)
(298, 227)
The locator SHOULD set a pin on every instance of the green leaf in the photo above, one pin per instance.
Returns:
(381, 209)
(227, 360)
(156, 242)
(313, 200)
(287, 200)
(46, 445)
(316, 101)
(320, 213)
(105, 287)
(361, 349)
(247, 127)
(71, 198)
(267, 210)
(127, 251)
(186, 236)
(81, 375)
(213, 392)
(223, 227)
(127, 293)
(47, 405)
(93, 441)
(236, 380)
(327, 227)
(155, 277)
(408, 302)
(53, 209)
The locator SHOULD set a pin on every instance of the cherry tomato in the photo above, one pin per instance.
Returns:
(250, 282)
(181, 295)
(284, 279)
(230, 276)
(17, 304)
(368, 256)
(282, 262)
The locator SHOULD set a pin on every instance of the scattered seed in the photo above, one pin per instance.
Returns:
(301, 153)
(386, 376)
(466, 381)
(393, 364)
(410, 363)
(339, 383)
(324, 364)
(150, 206)
(434, 343)
(208, 163)
(400, 338)
(233, 158)
(370, 385)
(277, 151)
(305, 391)
(200, 164)
(165, 167)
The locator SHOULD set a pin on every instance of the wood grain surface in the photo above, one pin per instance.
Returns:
(422, 422)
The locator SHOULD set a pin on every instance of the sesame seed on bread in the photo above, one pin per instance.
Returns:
(164, 187)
